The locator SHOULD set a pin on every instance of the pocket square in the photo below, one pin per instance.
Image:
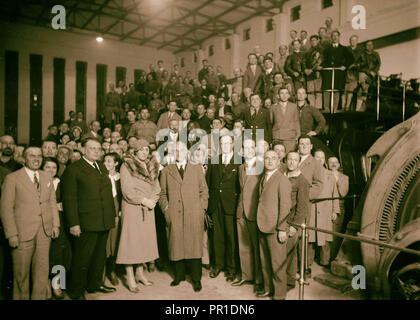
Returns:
(233, 170)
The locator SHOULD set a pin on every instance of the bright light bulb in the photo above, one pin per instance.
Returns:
(99, 39)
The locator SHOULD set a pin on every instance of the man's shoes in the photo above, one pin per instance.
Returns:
(197, 286)
(239, 282)
(58, 294)
(290, 287)
(215, 272)
(176, 282)
(81, 297)
(258, 287)
(113, 278)
(102, 289)
(230, 277)
(262, 294)
(308, 273)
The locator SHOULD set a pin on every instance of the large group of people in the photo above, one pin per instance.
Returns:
(183, 174)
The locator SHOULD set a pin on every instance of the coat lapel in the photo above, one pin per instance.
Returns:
(173, 170)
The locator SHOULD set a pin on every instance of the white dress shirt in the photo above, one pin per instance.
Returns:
(226, 158)
(181, 164)
(92, 163)
(31, 174)
(303, 158)
(268, 174)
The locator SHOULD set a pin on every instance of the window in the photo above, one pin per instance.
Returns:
(247, 34)
(211, 50)
(182, 63)
(295, 13)
(269, 25)
(227, 44)
(327, 4)
(195, 57)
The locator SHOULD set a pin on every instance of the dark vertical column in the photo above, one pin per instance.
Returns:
(11, 89)
(101, 70)
(137, 73)
(120, 75)
(81, 83)
(59, 89)
(35, 84)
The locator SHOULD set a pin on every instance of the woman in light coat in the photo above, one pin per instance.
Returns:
(140, 190)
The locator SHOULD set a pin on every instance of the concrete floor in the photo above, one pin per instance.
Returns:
(213, 289)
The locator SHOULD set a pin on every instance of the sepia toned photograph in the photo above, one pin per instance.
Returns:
(210, 154)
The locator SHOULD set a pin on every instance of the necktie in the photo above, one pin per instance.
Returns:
(36, 182)
(97, 168)
(181, 171)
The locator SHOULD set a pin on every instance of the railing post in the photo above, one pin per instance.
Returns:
(332, 91)
(302, 262)
(377, 98)
(403, 109)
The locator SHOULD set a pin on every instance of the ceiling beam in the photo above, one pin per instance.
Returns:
(232, 8)
(189, 14)
(205, 16)
(277, 4)
(97, 12)
(151, 18)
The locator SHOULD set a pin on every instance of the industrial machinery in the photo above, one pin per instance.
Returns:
(384, 168)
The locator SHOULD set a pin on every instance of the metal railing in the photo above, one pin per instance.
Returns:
(360, 238)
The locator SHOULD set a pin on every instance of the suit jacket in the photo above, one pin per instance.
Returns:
(163, 122)
(253, 81)
(23, 208)
(335, 57)
(275, 201)
(87, 197)
(300, 199)
(287, 126)
(307, 116)
(261, 121)
(223, 183)
(311, 170)
(248, 198)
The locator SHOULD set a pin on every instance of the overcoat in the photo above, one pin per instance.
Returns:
(323, 211)
(183, 202)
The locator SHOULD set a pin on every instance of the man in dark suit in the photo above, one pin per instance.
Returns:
(335, 56)
(223, 182)
(90, 213)
(256, 117)
(253, 74)
(275, 195)
(295, 66)
(202, 120)
(222, 108)
(246, 214)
